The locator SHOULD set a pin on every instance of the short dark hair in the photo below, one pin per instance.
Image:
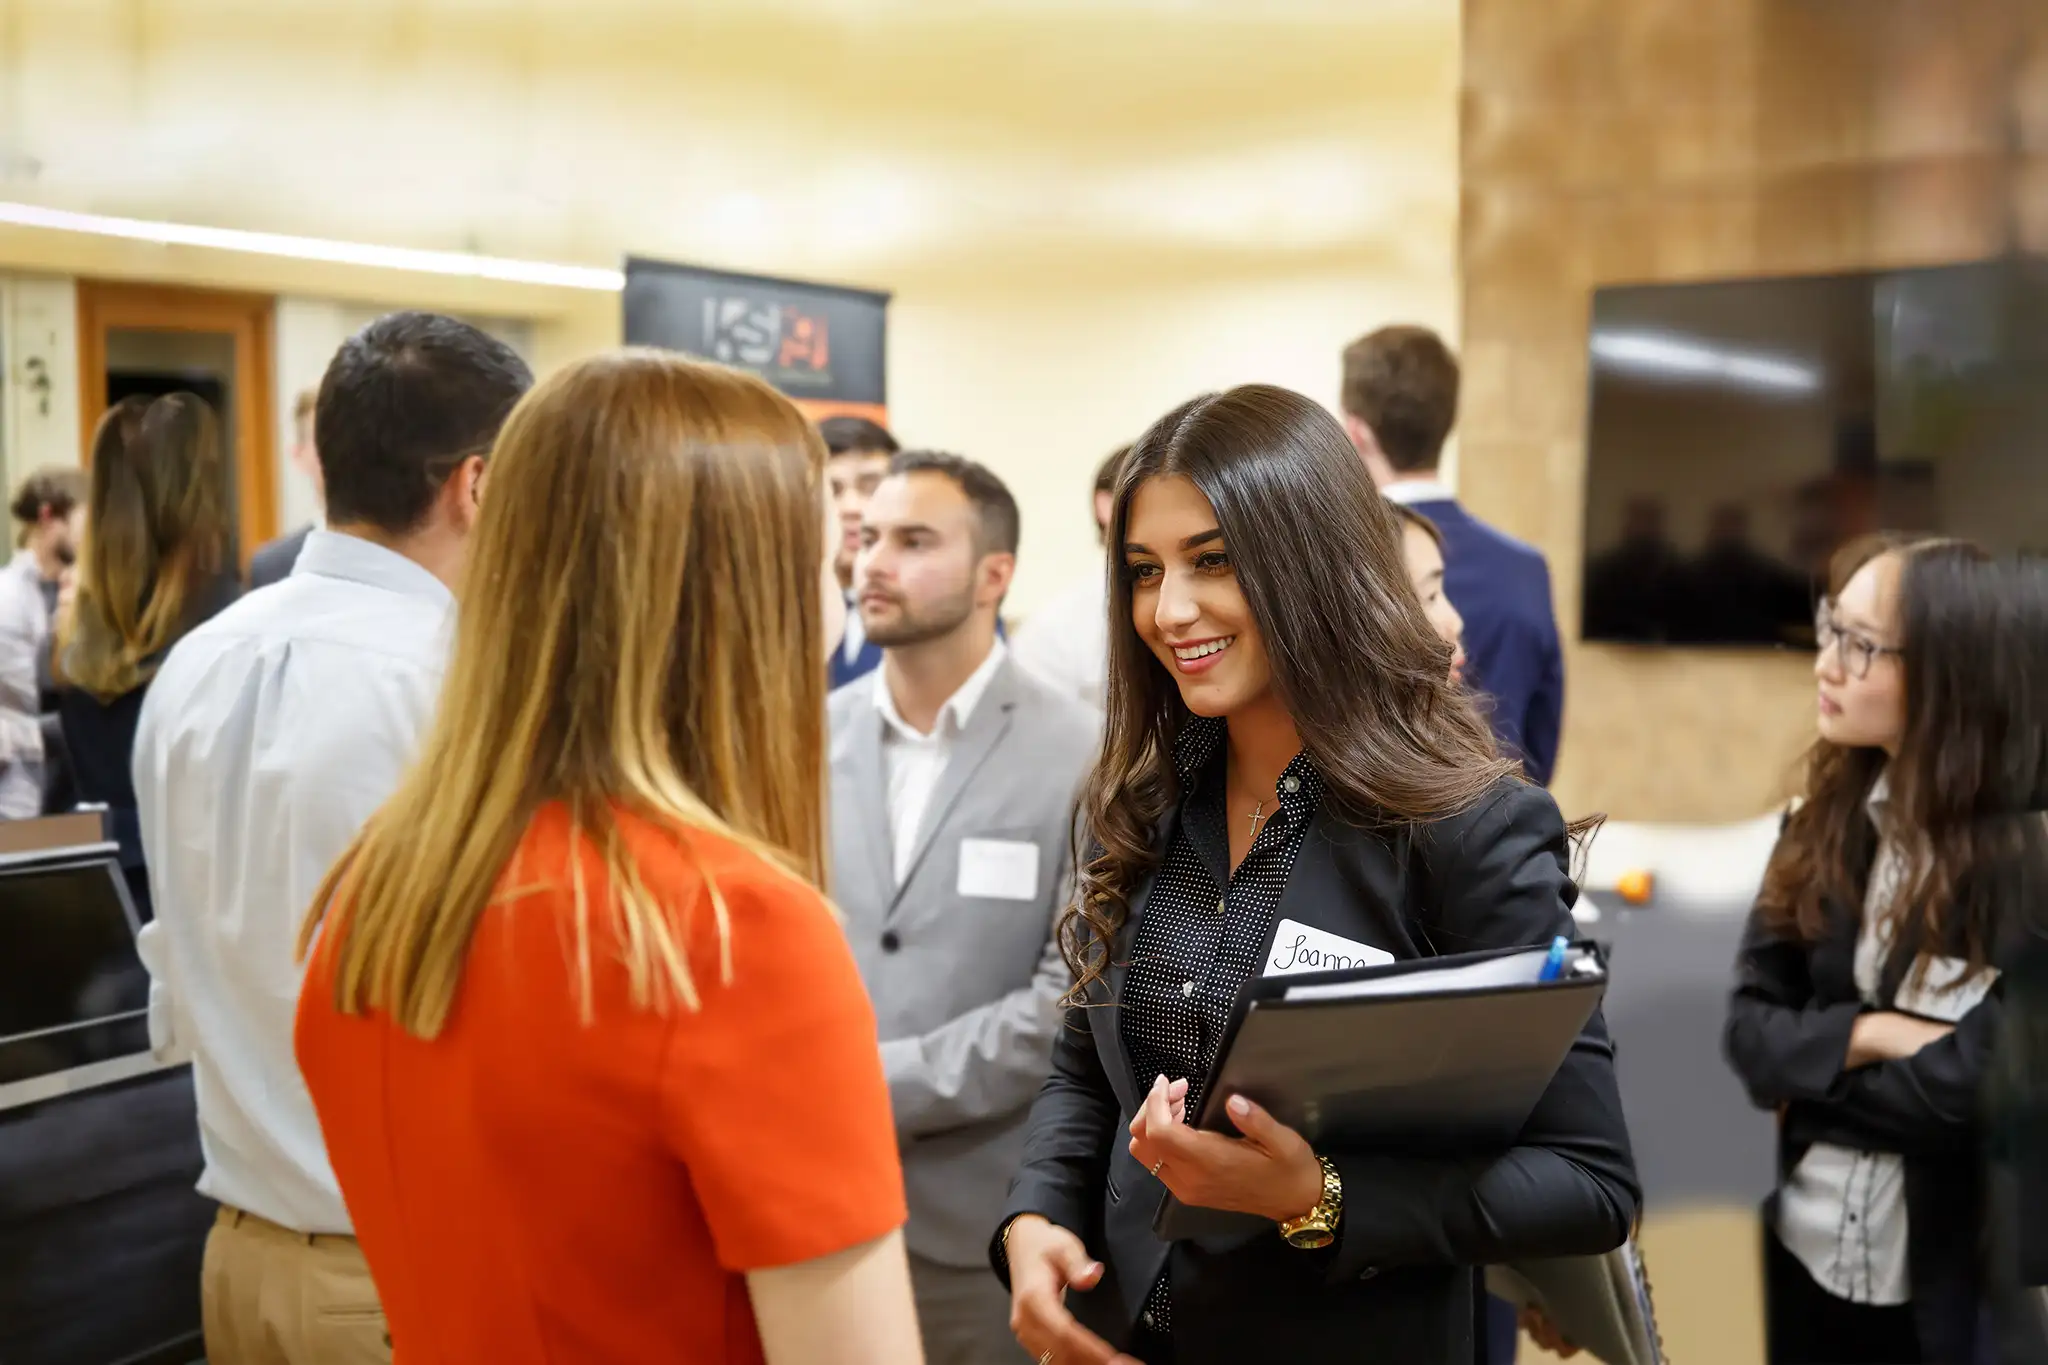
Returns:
(856, 436)
(403, 402)
(1111, 466)
(994, 508)
(1403, 383)
(56, 487)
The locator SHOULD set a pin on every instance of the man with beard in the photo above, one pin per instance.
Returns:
(49, 506)
(954, 775)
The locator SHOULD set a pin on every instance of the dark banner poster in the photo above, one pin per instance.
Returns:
(821, 344)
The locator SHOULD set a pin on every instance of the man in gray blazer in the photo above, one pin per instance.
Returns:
(954, 776)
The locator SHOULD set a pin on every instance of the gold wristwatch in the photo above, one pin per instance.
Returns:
(1318, 1227)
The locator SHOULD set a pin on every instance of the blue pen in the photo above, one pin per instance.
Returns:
(1553, 965)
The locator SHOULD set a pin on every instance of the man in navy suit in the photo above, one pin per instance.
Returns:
(857, 455)
(1400, 401)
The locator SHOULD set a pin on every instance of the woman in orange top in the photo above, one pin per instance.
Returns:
(590, 1053)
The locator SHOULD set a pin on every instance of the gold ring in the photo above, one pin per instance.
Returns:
(1045, 1359)
(1155, 1169)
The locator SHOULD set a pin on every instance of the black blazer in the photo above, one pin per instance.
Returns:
(1400, 1277)
(1787, 1037)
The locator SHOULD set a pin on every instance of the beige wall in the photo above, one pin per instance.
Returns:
(1086, 212)
(1634, 141)
(38, 321)
(1041, 385)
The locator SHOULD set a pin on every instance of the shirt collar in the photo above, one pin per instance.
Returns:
(332, 554)
(1201, 745)
(1408, 492)
(958, 708)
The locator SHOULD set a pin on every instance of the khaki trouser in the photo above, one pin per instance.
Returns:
(270, 1296)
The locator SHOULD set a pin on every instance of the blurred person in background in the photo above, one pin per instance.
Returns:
(49, 507)
(1422, 551)
(271, 736)
(273, 561)
(858, 452)
(1868, 994)
(1255, 770)
(154, 566)
(954, 775)
(589, 1049)
(1066, 641)
(1400, 401)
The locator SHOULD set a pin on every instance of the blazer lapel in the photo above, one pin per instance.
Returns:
(870, 792)
(1105, 1009)
(1320, 894)
(971, 748)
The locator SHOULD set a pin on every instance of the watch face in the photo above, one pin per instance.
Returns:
(1311, 1239)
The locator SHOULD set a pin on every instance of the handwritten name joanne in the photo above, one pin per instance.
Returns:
(1298, 954)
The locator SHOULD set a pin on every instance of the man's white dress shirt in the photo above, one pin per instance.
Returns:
(270, 736)
(915, 762)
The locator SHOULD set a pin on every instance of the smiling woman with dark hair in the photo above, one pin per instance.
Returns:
(1284, 743)
(1868, 995)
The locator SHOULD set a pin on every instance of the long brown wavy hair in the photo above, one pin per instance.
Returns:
(1317, 553)
(155, 538)
(1974, 639)
(640, 631)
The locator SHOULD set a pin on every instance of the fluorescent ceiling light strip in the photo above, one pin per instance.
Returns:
(1647, 352)
(318, 249)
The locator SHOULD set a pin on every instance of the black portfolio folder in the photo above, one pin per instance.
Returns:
(1442, 1055)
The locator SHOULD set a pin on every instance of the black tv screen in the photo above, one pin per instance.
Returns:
(1740, 432)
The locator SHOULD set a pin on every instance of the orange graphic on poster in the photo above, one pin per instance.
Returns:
(806, 342)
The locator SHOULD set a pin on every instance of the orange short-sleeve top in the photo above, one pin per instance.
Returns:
(532, 1187)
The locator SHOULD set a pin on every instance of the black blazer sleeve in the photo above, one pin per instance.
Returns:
(1928, 1104)
(1496, 877)
(1783, 1045)
(1068, 1143)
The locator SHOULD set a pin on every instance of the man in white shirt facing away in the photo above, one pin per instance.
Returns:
(954, 776)
(270, 736)
(1066, 641)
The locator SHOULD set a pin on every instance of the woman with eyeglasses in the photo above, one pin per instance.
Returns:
(1867, 999)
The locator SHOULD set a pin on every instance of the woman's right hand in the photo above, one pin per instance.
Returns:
(1046, 1261)
(1888, 1036)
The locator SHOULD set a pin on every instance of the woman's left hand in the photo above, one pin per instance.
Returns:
(1270, 1171)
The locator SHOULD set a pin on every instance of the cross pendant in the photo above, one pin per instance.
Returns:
(1255, 818)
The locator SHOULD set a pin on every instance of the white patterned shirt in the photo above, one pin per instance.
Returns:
(1843, 1212)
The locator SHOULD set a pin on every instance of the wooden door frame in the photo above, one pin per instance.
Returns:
(169, 308)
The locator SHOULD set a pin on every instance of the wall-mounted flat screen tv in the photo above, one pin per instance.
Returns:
(1742, 431)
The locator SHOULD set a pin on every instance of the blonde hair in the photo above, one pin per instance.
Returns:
(156, 533)
(639, 632)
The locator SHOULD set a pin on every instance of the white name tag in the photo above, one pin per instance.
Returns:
(1301, 948)
(999, 869)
